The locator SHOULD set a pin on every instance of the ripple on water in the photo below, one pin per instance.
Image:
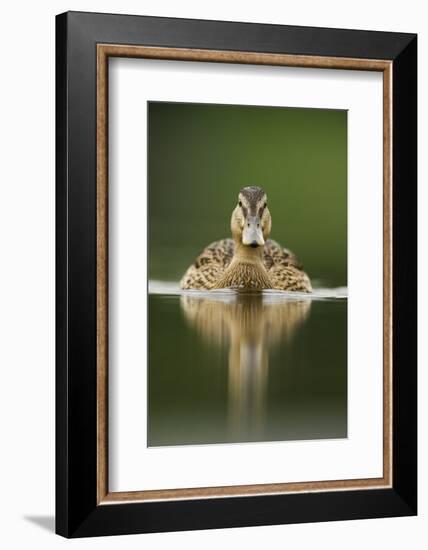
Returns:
(172, 288)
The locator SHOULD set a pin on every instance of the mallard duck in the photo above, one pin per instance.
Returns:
(249, 260)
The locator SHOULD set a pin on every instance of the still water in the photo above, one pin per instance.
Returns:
(228, 366)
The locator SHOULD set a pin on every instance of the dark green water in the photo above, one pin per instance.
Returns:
(240, 368)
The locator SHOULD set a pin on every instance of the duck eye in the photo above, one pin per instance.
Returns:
(265, 204)
(240, 203)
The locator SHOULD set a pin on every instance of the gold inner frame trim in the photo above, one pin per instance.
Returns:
(104, 51)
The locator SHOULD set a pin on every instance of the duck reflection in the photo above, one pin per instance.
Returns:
(249, 326)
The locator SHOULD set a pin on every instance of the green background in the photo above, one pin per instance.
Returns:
(201, 155)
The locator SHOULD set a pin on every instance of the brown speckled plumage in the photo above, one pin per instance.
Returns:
(233, 263)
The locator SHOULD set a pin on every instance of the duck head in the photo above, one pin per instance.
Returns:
(251, 221)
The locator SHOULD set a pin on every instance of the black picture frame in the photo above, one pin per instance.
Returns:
(77, 512)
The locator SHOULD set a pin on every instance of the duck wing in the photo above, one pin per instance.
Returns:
(218, 253)
(209, 265)
(276, 255)
(285, 270)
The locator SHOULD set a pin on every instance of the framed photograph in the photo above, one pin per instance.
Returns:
(236, 274)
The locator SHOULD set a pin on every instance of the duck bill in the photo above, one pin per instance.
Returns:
(252, 234)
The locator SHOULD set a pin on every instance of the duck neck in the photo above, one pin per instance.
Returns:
(248, 255)
(246, 270)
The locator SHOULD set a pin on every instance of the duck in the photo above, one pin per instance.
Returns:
(249, 260)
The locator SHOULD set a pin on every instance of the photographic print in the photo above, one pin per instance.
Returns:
(247, 311)
(236, 281)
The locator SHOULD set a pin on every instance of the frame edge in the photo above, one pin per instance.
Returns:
(61, 268)
(405, 274)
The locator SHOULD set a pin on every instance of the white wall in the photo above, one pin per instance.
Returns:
(27, 271)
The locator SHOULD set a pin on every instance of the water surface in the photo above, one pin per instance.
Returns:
(229, 367)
